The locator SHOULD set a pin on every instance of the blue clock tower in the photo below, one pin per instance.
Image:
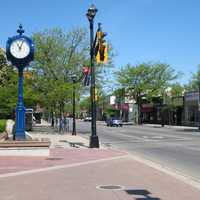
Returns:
(20, 52)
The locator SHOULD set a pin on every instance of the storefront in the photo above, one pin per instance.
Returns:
(191, 108)
(156, 112)
(147, 111)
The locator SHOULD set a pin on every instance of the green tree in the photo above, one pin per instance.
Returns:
(145, 80)
(194, 83)
(85, 104)
(58, 56)
(8, 87)
(176, 89)
(5, 69)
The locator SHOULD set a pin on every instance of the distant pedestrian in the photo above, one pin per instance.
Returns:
(66, 124)
(57, 125)
(52, 122)
(61, 125)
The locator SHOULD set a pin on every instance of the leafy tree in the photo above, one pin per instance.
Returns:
(146, 79)
(176, 89)
(85, 104)
(8, 87)
(58, 56)
(5, 69)
(162, 76)
(194, 83)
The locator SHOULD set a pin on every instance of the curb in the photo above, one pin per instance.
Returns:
(179, 175)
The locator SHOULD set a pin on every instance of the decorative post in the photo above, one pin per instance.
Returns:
(20, 109)
(20, 52)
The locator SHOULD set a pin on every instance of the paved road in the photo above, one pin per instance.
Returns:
(175, 148)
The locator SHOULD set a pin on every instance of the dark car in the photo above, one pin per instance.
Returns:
(114, 122)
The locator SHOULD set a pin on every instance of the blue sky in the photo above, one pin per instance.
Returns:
(140, 30)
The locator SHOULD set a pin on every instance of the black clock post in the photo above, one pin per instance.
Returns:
(20, 52)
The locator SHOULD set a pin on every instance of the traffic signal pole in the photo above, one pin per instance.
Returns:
(94, 140)
(98, 49)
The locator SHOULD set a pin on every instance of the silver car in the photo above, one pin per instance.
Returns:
(88, 119)
(114, 122)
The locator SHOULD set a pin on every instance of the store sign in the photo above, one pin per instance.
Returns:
(147, 108)
(125, 106)
(112, 100)
(147, 105)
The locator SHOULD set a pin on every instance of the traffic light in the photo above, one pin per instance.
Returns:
(96, 94)
(86, 73)
(102, 54)
(101, 48)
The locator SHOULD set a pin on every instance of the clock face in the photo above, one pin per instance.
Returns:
(20, 48)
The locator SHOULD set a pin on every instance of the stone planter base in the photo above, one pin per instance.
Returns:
(24, 148)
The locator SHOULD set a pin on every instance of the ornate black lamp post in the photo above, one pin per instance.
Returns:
(94, 140)
(20, 52)
(74, 79)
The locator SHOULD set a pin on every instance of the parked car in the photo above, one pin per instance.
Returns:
(114, 122)
(88, 119)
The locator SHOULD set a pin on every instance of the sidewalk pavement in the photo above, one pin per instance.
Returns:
(171, 126)
(156, 125)
(58, 140)
(160, 126)
(90, 174)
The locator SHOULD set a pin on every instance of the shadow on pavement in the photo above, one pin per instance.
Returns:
(74, 144)
(140, 192)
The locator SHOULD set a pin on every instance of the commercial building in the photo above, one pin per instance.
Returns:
(191, 108)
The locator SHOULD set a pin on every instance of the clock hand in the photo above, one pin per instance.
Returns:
(20, 47)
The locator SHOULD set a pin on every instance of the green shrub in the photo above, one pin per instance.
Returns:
(2, 125)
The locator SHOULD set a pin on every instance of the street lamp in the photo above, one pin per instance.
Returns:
(74, 104)
(94, 140)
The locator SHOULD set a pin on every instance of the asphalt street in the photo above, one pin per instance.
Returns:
(174, 148)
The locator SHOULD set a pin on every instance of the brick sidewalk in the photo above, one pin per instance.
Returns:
(57, 157)
(76, 173)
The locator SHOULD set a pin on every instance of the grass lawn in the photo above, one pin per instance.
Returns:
(2, 125)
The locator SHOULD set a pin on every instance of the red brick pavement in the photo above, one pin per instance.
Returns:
(57, 157)
(140, 181)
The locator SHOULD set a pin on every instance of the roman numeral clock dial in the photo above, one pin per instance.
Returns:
(19, 48)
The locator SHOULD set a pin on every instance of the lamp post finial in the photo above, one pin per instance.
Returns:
(20, 30)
